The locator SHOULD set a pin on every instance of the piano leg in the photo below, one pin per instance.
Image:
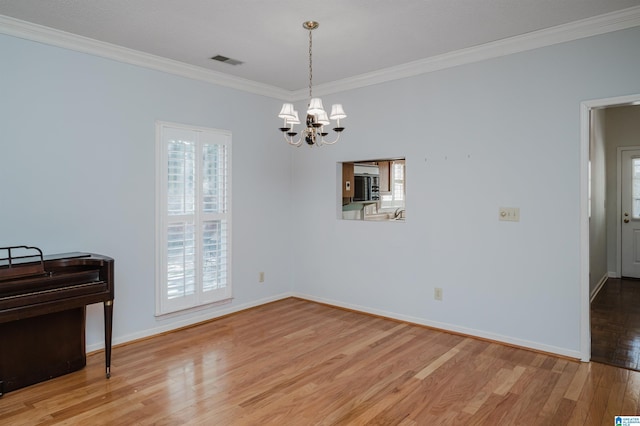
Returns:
(108, 325)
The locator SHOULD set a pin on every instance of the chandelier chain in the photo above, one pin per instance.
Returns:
(310, 64)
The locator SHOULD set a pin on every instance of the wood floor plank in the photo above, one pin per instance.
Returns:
(556, 400)
(294, 362)
(440, 361)
(631, 401)
(532, 401)
(576, 386)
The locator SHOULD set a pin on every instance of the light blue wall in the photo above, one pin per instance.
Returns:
(77, 172)
(501, 132)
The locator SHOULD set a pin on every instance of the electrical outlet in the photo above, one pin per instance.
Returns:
(437, 293)
(261, 277)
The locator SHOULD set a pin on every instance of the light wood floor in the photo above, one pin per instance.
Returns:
(294, 362)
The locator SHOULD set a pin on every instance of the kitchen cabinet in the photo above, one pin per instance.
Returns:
(385, 176)
(347, 180)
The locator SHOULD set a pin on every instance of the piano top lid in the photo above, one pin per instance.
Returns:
(70, 255)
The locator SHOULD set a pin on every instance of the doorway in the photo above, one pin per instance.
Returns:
(629, 190)
(601, 227)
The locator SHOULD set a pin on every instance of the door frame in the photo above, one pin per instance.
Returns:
(585, 137)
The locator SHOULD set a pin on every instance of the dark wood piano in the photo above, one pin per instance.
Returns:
(43, 303)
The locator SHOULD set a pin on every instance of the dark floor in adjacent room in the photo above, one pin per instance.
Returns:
(615, 324)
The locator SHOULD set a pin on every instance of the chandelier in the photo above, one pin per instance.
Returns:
(313, 133)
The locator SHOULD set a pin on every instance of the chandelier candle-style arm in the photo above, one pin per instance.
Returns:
(288, 131)
(317, 117)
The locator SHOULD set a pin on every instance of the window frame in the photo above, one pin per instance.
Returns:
(202, 136)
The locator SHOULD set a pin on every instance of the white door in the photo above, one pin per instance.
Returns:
(630, 196)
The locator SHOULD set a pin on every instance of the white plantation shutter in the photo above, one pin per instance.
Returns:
(398, 181)
(396, 198)
(193, 217)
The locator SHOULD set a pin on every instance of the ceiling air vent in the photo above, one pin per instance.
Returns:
(226, 60)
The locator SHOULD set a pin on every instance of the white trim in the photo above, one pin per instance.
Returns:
(618, 261)
(204, 316)
(201, 137)
(598, 287)
(609, 22)
(34, 32)
(160, 203)
(585, 134)
(447, 327)
(585, 326)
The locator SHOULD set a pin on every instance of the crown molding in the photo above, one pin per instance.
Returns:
(34, 32)
(614, 21)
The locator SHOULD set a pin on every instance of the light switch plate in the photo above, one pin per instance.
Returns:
(509, 214)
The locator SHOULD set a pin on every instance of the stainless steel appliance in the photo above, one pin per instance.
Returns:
(366, 187)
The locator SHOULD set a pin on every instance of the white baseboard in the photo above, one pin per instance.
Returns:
(450, 327)
(359, 308)
(598, 287)
(174, 325)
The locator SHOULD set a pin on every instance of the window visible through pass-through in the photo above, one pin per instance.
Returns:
(194, 218)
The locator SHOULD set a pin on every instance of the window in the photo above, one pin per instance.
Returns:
(395, 197)
(635, 186)
(194, 217)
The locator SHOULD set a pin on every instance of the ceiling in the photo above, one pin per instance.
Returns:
(355, 37)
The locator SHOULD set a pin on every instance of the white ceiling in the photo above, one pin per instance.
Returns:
(355, 37)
